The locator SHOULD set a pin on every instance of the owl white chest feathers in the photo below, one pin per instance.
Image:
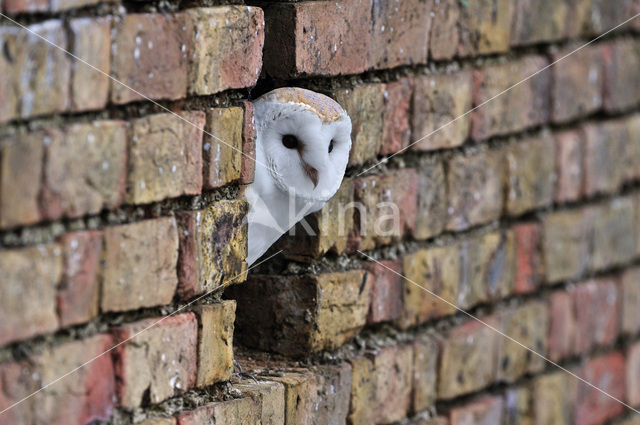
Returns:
(302, 149)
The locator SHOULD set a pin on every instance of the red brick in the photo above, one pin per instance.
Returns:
(92, 43)
(400, 33)
(577, 82)
(396, 129)
(165, 157)
(317, 38)
(438, 101)
(529, 265)
(445, 35)
(62, 5)
(159, 362)
(524, 106)
(425, 373)
(82, 397)
(484, 27)
(77, 298)
(29, 278)
(630, 287)
(139, 264)
(604, 156)
(236, 33)
(248, 144)
(597, 310)
(475, 188)
(386, 291)
(562, 326)
(432, 200)
(394, 376)
(633, 375)
(608, 374)
(75, 185)
(569, 165)
(483, 411)
(240, 411)
(150, 55)
(538, 21)
(622, 58)
(13, 7)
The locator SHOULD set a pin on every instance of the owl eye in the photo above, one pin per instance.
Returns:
(290, 141)
(330, 146)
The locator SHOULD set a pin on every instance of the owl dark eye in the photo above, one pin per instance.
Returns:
(330, 146)
(290, 141)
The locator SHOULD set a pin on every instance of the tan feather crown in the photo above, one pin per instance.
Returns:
(327, 109)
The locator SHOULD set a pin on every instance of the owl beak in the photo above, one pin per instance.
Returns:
(311, 172)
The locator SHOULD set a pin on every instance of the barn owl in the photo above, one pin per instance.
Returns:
(302, 148)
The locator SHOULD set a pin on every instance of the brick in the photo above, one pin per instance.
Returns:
(365, 107)
(295, 319)
(396, 129)
(215, 345)
(77, 297)
(599, 16)
(562, 326)
(436, 270)
(524, 106)
(576, 84)
(633, 374)
(222, 154)
(29, 278)
(139, 268)
(484, 27)
(569, 169)
(270, 396)
(234, 411)
(150, 368)
(608, 374)
(317, 38)
(150, 54)
(517, 406)
(445, 35)
(620, 59)
(19, 191)
(385, 208)
(538, 21)
(62, 5)
(474, 189)
(332, 394)
(165, 157)
(386, 291)
(432, 200)
(213, 247)
(604, 157)
(82, 397)
(530, 174)
(529, 264)
(632, 150)
(553, 399)
(613, 239)
(438, 101)
(468, 359)
(483, 411)
(75, 185)
(237, 33)
(394, 376)
(440, 420)
(300, 392)
(158, 421)
(528, 325)
(565, 244)
(247, 170)
(425, 373)
(630, 295)
(14, 7)
(597, 308)
(91, 43)
(362, 403)
(400, 33)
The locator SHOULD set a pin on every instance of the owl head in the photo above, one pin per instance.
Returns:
(303, 141)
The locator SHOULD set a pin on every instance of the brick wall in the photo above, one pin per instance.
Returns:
(121, 202)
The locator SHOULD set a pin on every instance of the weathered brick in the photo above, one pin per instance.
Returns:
(85, 396)
(28, 277)
(633, 374)
(317, 38)
(300, 392)
(165, 157)
(484, 27)
(613, 240)
(528, 325)
(235, 411)
(139, 264)
(385, 208)
(538, 21)
(529, 265)
(150, 367)
(215, 345)
(432, 200)
(295, 319)
(621, 58)
(517, 406)
(363, 391)
(523, 106)
(400, 33)
(440, 420)
(332, 394)
(75, 185)
(445, 35)
(386, 291)
(158, 421)
(530, 174)
(632, 150)
(474, 189)
(394, 377)
(92, 44)
(396, 129)
(604, 156)
(270, 396)
(598, 16)
(213, 247)
(248, 168)
(222, 152)
(562, 326)
(630, 295)
(150, 54)
(436, 270)
(554, 398)
(577, 80)
(483, 411)
(468, 359)
(13, 7)
(597, 308)
(569, 169)
(77, 297)
(236, 34)
(565, 244)
(425, 373)
(438, 101)
(62, 5)
(365, 106)
(606, 373)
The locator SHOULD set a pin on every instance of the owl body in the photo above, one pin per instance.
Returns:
(302, 149)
